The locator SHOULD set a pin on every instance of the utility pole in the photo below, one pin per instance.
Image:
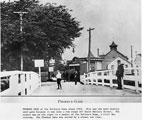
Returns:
(21, 30)
(89, 49)
(131, 56)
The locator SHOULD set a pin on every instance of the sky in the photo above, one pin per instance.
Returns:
(113, 20)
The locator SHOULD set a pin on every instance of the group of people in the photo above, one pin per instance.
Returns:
(68, 75)
(71, 75)
(74, 75)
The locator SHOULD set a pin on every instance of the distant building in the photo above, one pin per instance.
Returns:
(137, 61)
(81, 64)
(101, 62)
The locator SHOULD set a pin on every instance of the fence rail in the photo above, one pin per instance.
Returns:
(18, 82)
(131, 79)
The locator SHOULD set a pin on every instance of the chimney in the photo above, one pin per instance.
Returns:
(98, 52)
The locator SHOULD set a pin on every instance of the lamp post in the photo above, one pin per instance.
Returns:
(131, 56)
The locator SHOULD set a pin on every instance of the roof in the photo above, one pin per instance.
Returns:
(102, 56)
(77, 60)
(121, 58)
(139, 55)
(93, 58)
(122, 55)
(118, 53)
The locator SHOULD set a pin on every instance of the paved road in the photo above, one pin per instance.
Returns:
(69, 88)
(87, 93)
(48, 93)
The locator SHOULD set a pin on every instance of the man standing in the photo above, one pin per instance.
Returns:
(58, 76)
(76, 77)
(119, 74)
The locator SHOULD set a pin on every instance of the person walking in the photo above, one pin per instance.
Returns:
(58, 76)
(119, 74)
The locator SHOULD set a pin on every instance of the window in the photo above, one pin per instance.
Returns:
(25, 91)
(4, 83)
(118, 61)
(25, 77)
(19, 93)
(126, 66)
(19, 78)
(112, 66)
(30, 76)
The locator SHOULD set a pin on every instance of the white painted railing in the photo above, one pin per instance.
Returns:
(131, 80)
(19, 82)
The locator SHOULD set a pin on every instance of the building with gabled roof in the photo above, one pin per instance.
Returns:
(137, 61)
(112, 55)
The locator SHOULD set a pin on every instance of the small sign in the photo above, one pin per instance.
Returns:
(39, 63)
(51, 69)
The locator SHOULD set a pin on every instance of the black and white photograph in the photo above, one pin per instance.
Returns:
(71, 49)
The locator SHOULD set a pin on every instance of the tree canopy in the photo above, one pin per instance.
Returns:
(47, 31)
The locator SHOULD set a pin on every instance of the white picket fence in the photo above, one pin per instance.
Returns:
(19, 82)
(132, 78)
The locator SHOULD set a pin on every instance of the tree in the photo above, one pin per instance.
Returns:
(47, 31)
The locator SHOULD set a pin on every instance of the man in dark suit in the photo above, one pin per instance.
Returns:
(119, 74)
(59, 78)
